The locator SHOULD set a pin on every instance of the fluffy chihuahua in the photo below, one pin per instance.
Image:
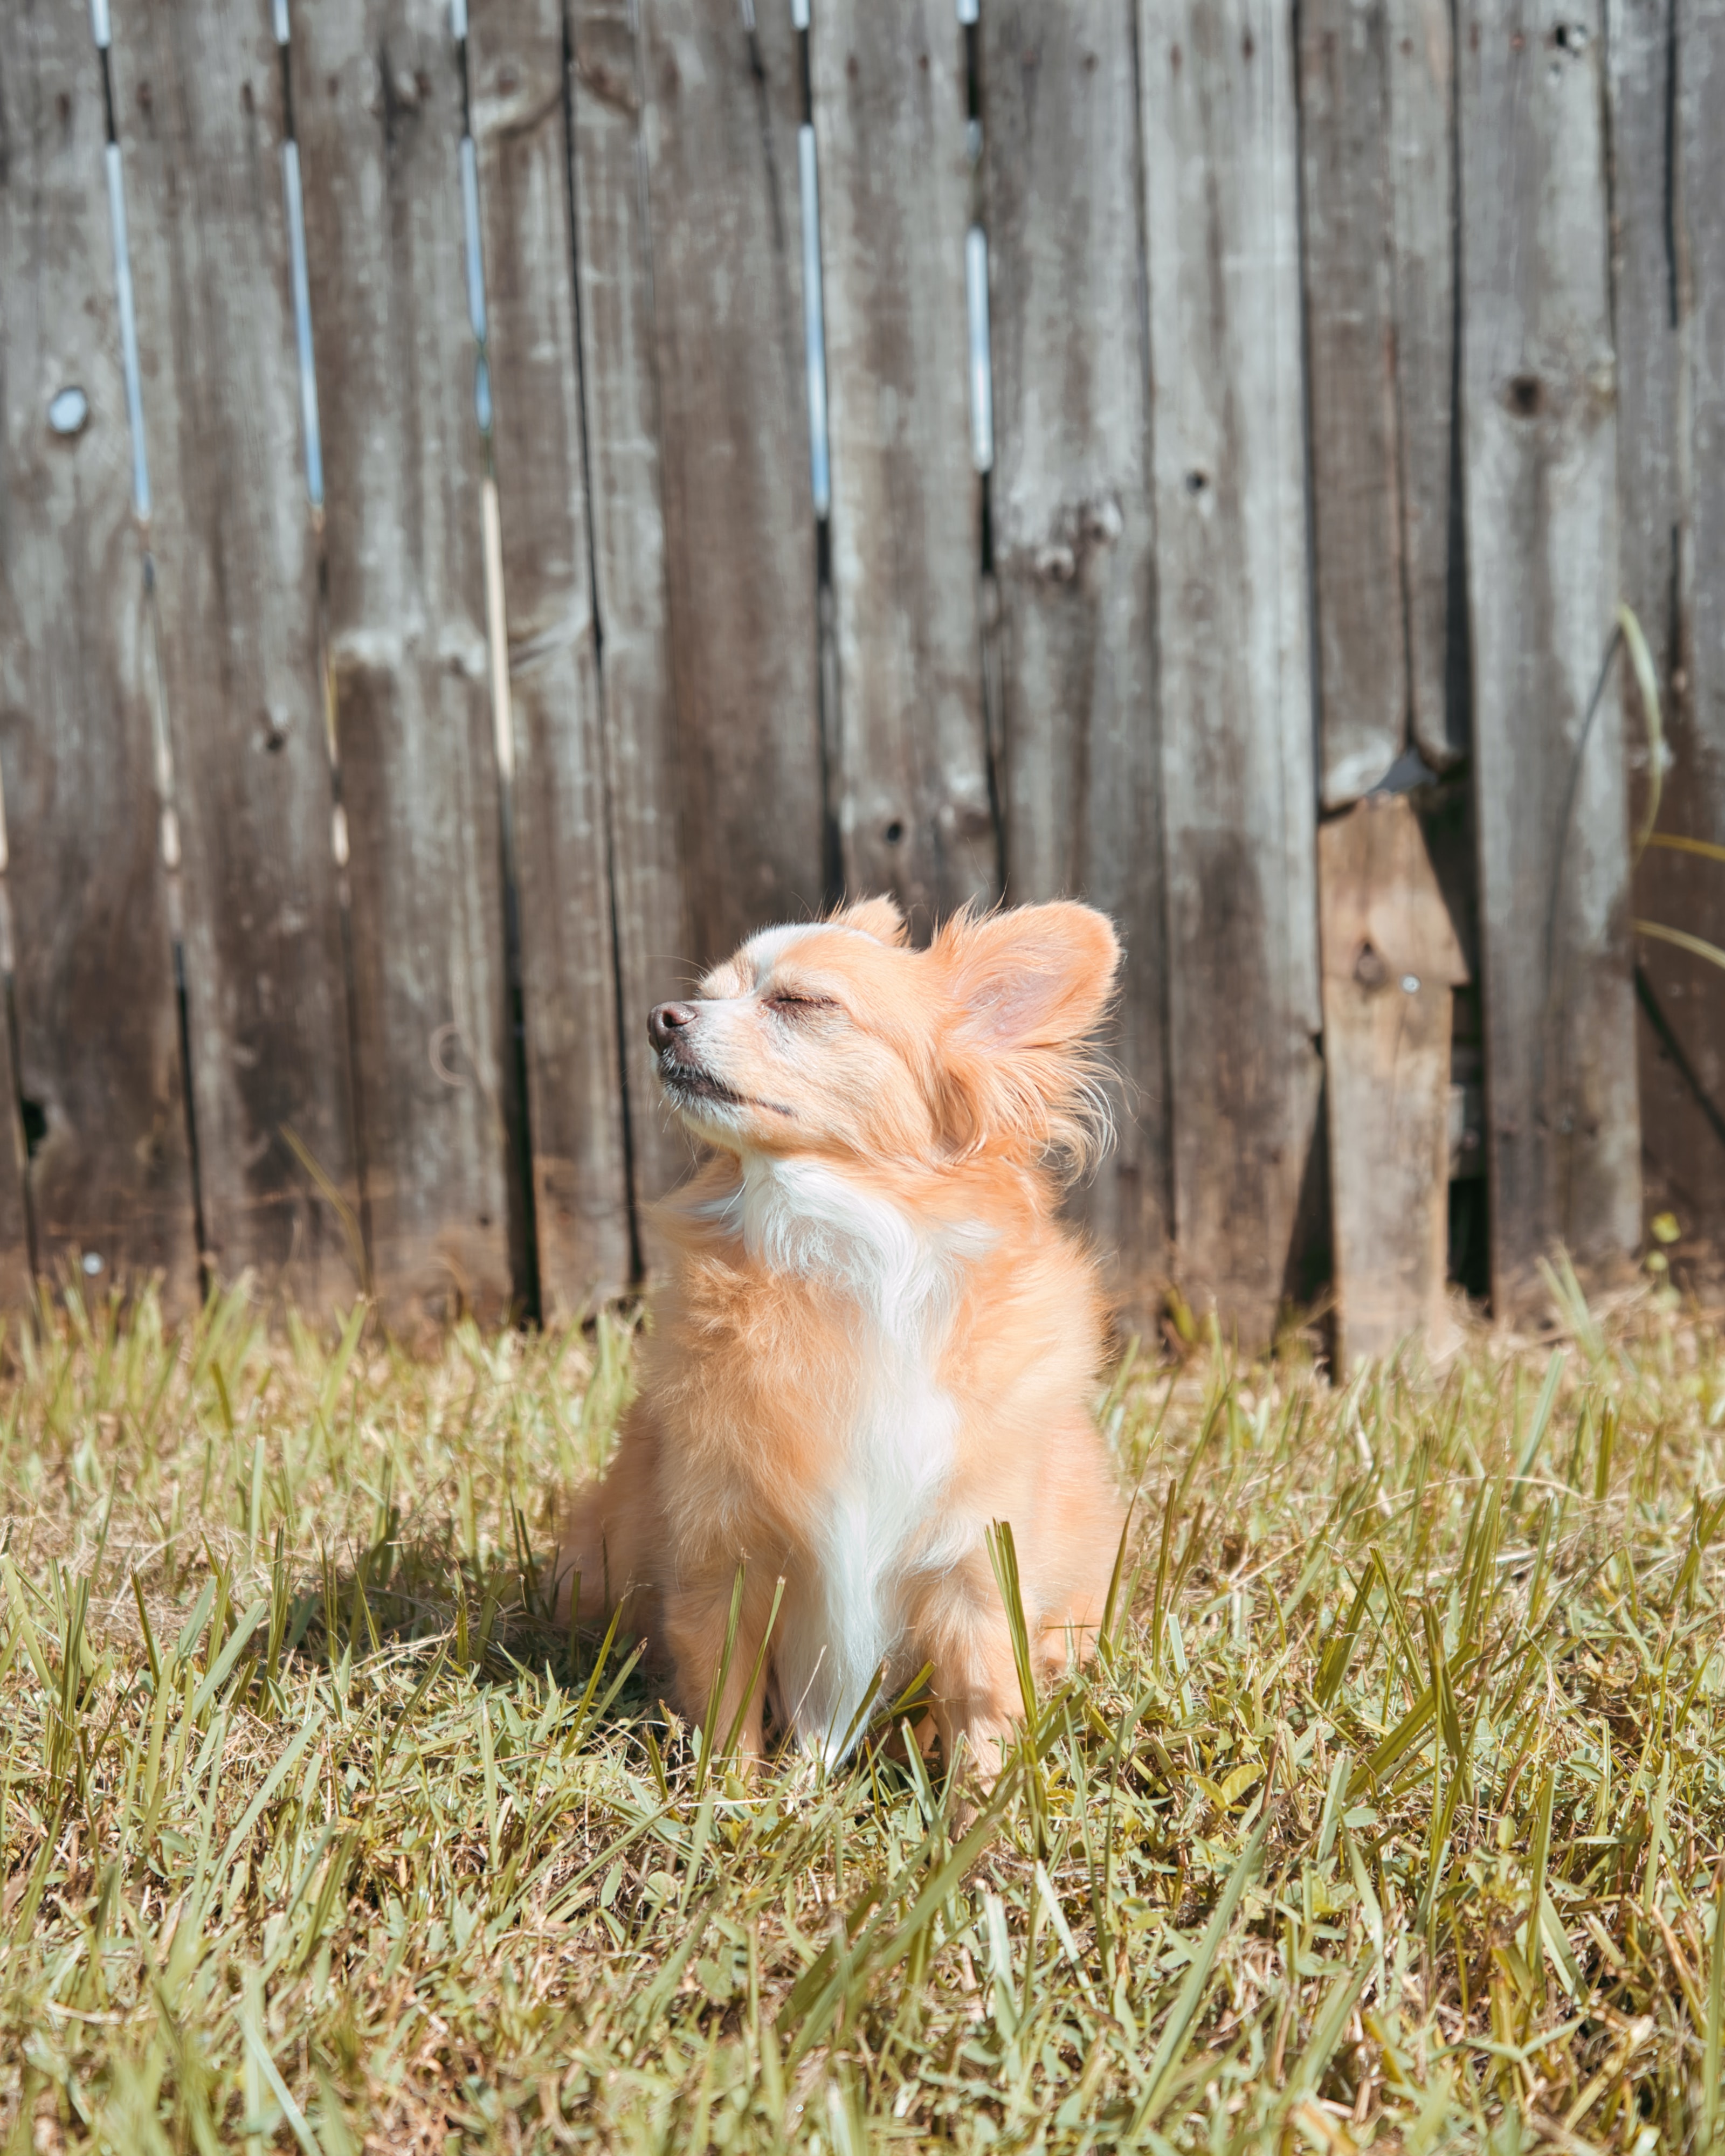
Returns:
(875, 1338)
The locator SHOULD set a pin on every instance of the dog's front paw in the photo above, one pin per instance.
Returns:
(982, 1749)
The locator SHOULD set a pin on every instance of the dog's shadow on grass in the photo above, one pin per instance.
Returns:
(352, 1612)
(399, 1614)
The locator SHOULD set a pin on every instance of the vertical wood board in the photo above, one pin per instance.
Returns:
(378, 114)
(1074, 552)
(1646, 335)
(1351, 357)
(721, 135)
(1419, 124)
(1670, 291)
(1391, 962)
(569, 983)
(91, 958)
(198, 101)
(1226, 419)
(1541, 455)
(913, 792)
(654, 937)
(1376, 130)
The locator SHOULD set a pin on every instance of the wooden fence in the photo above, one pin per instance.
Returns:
(496, 505)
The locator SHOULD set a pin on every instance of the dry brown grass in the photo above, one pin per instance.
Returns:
(356, 1848)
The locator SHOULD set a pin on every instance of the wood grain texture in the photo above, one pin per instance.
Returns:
(580, 1179)
(198, 107)
(613, 262)
(1541, 456)
(1074, 553)
(1221, 186)
(915, 812)
(97, 1023)
(1351, 357)
(378, 114)
(1420, 53)
(721, 135)
(1391, 962)
(1667, 76)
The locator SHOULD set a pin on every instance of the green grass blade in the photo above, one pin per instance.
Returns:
(1176, 2031)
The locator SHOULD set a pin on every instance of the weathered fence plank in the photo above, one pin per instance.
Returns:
(914, 811)
(1080, 790)
(580, 1173)
(1541, 450)
(720, 137)
(197, 102)
(1667, 74)
(1419, 124)
(656, 941)
(1391, 960)
(1699, 784)
(1351, 343)
(1220, 161)
(1647, 305)
(1375, 90)
(98, 1032)
(378, 112)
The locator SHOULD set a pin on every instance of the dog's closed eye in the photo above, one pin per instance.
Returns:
(788, 1003)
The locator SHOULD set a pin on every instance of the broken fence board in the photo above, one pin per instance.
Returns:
(1391, 962)
(378, 113)
(98, 1034)
(197, 103)
(913, 789)
(1226, 396)
(1074, 555)
(1541, 456)
(569, 985)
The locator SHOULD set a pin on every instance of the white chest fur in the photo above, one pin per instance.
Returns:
(894, 1433)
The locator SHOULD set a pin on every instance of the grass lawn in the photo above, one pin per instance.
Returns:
(1392, 1813)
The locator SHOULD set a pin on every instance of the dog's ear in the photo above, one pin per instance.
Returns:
(1014, 1075)
(879, 917)
(1033, 977)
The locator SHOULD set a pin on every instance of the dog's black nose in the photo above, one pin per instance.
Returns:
(665, 1020)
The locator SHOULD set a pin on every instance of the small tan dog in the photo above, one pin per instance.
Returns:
(875, 1338)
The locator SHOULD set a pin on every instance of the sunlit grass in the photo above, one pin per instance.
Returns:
(1392, 1813)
